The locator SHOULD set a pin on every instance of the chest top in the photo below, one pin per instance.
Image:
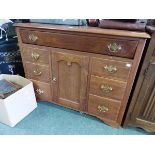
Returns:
(117, 43)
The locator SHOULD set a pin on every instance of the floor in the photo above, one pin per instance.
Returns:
(50, 119)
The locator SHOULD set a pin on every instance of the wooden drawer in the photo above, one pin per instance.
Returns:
(103, 107)
(107, 88)
(94, 44)
(36, 54)
(37, 72)
(42, 90)
(111, 68)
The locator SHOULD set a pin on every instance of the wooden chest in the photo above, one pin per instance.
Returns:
(91, 70)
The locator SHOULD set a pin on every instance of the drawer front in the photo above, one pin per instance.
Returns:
(36, 54)
(116, 47)
(107, 88)
(42, 91)
(111, 68)
(103, 107)
(37, 72)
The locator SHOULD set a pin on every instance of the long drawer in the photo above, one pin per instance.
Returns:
(38, 72)
(36, 54)
(42, 91)
(115, 46)
(103, 107)
(107, 88)
(111, 68)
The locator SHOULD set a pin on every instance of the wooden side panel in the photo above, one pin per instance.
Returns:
(131, 78)
(145, 104)
(149, 111)
(141, 112)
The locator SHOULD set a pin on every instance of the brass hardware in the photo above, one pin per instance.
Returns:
(33, 38)
(106, 88)
(110, 69)
(114, 47)
(35, 56)
(102, 108)
(37, 72)
(69, 63)
(39, 91)
(54, 79)
(128, 65)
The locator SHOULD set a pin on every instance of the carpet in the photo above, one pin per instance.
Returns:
(51, 119)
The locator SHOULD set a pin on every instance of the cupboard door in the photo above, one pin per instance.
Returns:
(144, 110)
(70, 71)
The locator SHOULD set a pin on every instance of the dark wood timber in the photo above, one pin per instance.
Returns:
(141, 111)
(91, 70)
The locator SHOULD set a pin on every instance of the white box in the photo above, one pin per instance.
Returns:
(18, 105)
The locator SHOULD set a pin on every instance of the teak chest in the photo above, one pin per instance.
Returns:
(91, 70)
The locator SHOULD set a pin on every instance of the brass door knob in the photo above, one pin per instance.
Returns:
(102, 109)
(106, 88)
(114, 47)
(110, 69)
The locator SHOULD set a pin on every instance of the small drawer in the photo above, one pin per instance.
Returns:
(109, 46)
(111, 68)
(37, 72)
(107, 88)
(36, 54)
(42, 91)
(103, 107)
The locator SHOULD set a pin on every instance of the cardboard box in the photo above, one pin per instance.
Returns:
(18, 105)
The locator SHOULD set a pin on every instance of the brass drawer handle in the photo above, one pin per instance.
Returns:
(102, 108)
(54, 79)
(39, 91)
(35, 56)
(110, 69)
(114, 47)
(33, 38)
(37, 72)
(106, 88)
